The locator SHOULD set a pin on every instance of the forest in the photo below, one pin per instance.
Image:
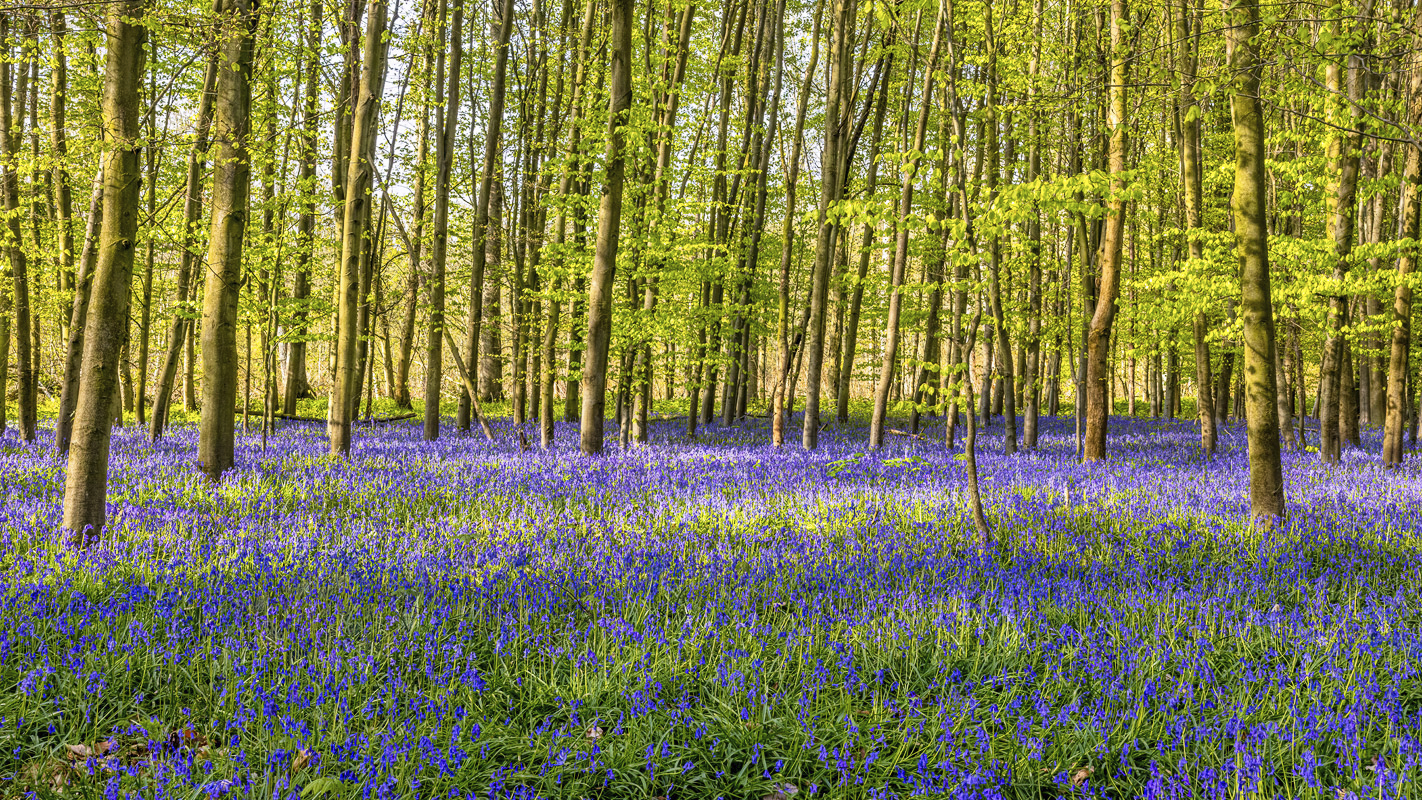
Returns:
(710, 398)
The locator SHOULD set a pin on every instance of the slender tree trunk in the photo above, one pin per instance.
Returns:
(778, 414)
(1344, 77)
(231, 186)
(19, 265)
(439, 246)
(1099, 339)
(832, 179)
(1033, 374)
(1410, 226)
(1266, 482)
(357, 219)
(145, 313)
(608, 224)
(178, 334)
(86, 478)
(900, 262)
(487, 174)
(59, 147)
(1188, 114)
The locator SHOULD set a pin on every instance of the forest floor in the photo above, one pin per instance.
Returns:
(710, 618)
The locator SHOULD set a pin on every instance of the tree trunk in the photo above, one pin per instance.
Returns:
(609, 222)
(178, 334)
(86, 478)
(357, 219)
(487, 175)
(1344, 78)
(1099, 338)
(231, 184)
(19, 265)
(1266, 482)
(1409, 227)
(778, 415)
(832, 178)
(900, 262)
(439, 246)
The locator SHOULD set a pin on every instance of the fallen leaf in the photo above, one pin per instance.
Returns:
(78, 752)
(303, 757)
(1082, 775)
(594, 733)
(783, 792)
(105, 747)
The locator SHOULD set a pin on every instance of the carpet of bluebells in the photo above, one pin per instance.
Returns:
(712, 618)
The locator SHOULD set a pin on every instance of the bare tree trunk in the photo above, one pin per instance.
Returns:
(145, 318)
(1033, 373)
(357, 219)
(492, 134)
(1345, 86)
(777, 412)
(178, 334)
(1266, 482)
(439, 247)
(1409, 227)
(19, 265)
(661, 186)
(832, 180)
(1188, 114)
(608, 224)
(78, 316)
(231, 185)
(896, 277)
(567, 183)
(86, 478)
(1099, 339)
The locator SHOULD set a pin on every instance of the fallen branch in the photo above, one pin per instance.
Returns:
(896, 432)
(468, 385)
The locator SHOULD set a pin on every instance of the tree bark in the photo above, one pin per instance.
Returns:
(600, 282)
(1344, 78)
(900, 262)
(1099, 338)
(439, 246)
(19, 265)
(487, 174)
(231, 185)
(86, 478)
(1409, 227)
(832, 178)
(357, 219)
(178, 334)
(1266, 482)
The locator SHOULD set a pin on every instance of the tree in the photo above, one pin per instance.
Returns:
(1266, 480)
(10, 139)
(439, 245)
(486, 189)
(609, 218)
(900, 262)
(1345, 86)
(1191, 180)
(1098, 345)
(357, 218)
(1411, 226)
(86, 477)
(231, 183)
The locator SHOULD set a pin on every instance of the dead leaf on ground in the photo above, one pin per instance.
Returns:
(1082, 775)
(78, 752)
(784, 791)
(303, 757)
(594, 733)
